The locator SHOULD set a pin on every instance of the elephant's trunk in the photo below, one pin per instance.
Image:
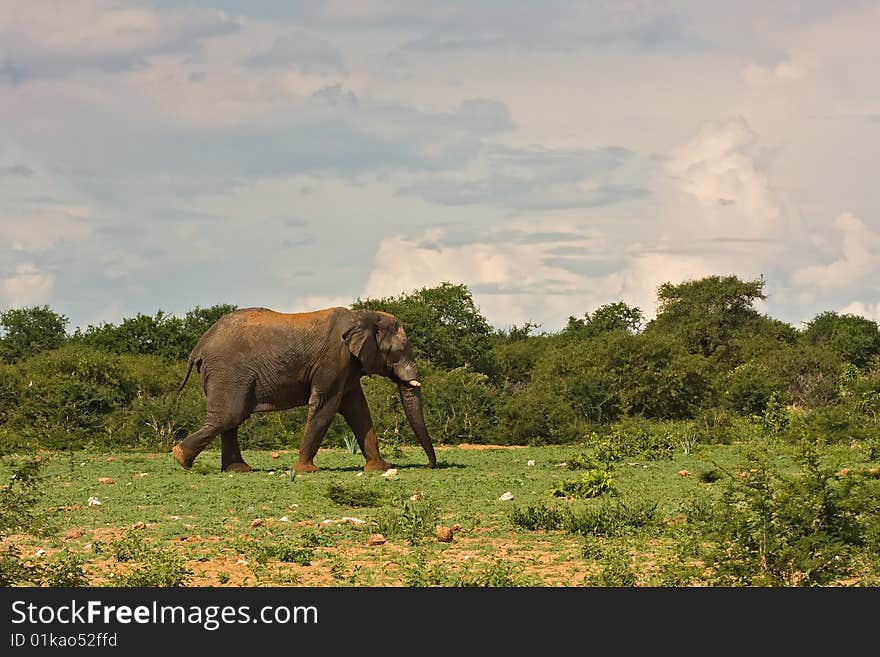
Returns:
(411, 398)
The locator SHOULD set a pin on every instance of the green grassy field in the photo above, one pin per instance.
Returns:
(157, 524)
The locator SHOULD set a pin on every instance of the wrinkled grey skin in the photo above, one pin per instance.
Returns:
(254, 360)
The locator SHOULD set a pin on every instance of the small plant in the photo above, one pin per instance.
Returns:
(65, 570)
(315, 538)
(130, 547)
(710, 476)
(499, 573)
(539, 516)
(414, 522)
(351, 443)
(612, 518)
(617, 570)
(356, 496)
(283, 552)
(689, 443)
(223, 578)
(592, 483)
(580, 462)
(159, 569)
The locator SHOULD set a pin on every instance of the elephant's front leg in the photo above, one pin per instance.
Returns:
(322, 410)
(357, 414)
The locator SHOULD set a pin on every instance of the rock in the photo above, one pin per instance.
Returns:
(71, 534)
(842, 472)
(530, 462)
(444, 534)
(257, 522)
(94, 501)
(140, 524)
(684, 473)
(415, 497)
(105, 480)
(506, 497)
(390, 473)
(456, 527)
(376, 539)
(283, 519)
(40, 552)
(275, 455)
(110, 459)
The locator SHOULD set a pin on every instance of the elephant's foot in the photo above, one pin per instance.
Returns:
(239, 466)
(305, 467)
(185, 461)
(372, 466)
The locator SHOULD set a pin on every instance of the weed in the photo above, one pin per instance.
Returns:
(612, 518)
(223, 578)
(499, 573)
(283, 552)
(160, 568)
(351, 444)
(710, 476)
(65, 569)
(592, 483)
(580, 462)
(357, 496)
(617, 571)
(414, 522)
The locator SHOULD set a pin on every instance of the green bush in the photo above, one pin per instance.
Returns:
(415, 521)
(772, 528)
(592, 483)
(69, 393)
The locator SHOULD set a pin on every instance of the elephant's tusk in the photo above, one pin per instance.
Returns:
(414, 383)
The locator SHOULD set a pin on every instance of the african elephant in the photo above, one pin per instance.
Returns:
(255, 359)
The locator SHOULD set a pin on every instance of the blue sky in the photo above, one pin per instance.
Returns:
(553, 156)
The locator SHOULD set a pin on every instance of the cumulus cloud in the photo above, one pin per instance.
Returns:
(719, 190)
(513, 279)
(863, 309)
(27, 285)
(858, 257)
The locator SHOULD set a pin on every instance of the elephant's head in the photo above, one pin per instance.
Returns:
(378, 341)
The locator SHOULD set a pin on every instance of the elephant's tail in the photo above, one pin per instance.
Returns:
(192, 361)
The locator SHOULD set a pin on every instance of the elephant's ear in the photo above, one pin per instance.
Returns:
(360, 339)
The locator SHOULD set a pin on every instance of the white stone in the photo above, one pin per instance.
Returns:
(506, 497)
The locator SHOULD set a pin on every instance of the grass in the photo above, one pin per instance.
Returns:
(159, 525)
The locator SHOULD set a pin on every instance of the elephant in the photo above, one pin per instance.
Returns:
(256, 359)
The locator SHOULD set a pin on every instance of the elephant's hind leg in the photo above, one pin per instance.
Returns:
(231, 460)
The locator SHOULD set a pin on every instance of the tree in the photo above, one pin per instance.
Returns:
(198, 320)
(28, 331)
(855, 339)
(162, 335)
(442, 324)
(706, 312)
(610, 317)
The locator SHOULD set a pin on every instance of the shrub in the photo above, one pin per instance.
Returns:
(414, 521)
(356, 495)
(777, 529)
(69, 394)
(283, 552)
(159, 568)
(64, 570)
(592, 483)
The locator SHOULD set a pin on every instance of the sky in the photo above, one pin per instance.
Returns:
(553, 156)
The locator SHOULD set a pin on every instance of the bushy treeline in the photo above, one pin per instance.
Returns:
(709, 365)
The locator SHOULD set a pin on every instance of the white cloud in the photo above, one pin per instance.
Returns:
(868, 310)
(859, 253)
(787, 70)
(512, 279)
(719, 190)
(39, 229)
(28, 286)
(318, 302)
